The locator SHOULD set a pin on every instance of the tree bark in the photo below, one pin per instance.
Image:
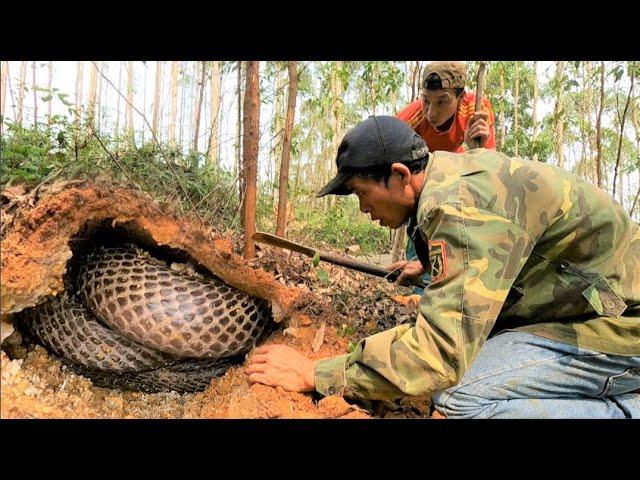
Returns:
(251, 124)
(144, 101)
(516, 101)
(156, 98)
(534, 116)
(35, 95)
(4, 75)
(199, 106)
(174, 104)
(398, 243)
(129, 127)
(216, 83)
(281, 219)
(598, 128)
(558, 114)
(503, 123)
(118, 101)
(23, 73)
(50, 68)
(236, 167)
(93, 83)
(79, 84)
(183, 102)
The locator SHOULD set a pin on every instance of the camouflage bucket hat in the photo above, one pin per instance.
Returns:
(452, 74)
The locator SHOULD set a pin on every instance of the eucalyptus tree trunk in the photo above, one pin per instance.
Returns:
(501, 116)
(236, 168)
(198, 109)
(173, 87)
(118, 102)
(216, 83)
(79, 84)
(516, 101)
(559, 114)
(251, 140)
(93, 83)
(35, 95)
(50, 69)
(4, 75)
(534, 111)
(156, 98)
(281, 219)
(129, 119)
(21, 88)
(621, 137)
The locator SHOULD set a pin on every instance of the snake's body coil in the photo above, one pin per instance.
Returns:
(137, 324)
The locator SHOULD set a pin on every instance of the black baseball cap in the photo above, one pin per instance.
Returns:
(375, 142)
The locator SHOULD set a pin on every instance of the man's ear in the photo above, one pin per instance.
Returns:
(402, 170)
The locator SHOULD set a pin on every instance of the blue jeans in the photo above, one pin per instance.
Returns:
(520, 375)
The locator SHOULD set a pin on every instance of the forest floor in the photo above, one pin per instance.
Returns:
(39, 386)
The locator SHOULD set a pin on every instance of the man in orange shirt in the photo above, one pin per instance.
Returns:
(446, 119)
(445, 114)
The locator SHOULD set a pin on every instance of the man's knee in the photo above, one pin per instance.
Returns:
(455, 403)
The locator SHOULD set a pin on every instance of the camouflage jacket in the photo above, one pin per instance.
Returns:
(513, 244)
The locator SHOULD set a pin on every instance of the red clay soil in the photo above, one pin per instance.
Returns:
(40, 387)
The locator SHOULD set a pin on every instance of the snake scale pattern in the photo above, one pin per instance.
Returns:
(137, 324)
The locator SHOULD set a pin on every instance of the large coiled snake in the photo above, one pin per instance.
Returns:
(137, 324)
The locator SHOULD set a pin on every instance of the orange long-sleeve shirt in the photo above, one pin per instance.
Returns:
(450, 140)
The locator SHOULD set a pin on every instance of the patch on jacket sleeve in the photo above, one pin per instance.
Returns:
(438, 260)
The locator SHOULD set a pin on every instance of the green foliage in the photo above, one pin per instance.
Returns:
(67, 151)
(345, 330)
(340, 226)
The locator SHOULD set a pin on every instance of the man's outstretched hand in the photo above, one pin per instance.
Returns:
(279, 365)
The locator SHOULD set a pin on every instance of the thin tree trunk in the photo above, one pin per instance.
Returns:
(50, 68)
(100, 101)
(216, 83)
(503, 123)
(35, 95)
(281, 220)
(129, 128)
(236, 167)
(182, 102)
(199, 107)
(622, 122)
(276, 140)
(598, 128)
(23, 73)
(144, 100)
(93, 83)
(414, 71)
(419, 80)
(251, 121)
(174, 104)
(534, 116)
(118, 102)
(156, 97)
(79, 84)
(516, 101)
(336, 121)
(558, 114)
(398, 243)
(4, 75)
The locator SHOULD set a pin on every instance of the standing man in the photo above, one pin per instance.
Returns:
(444, 116)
